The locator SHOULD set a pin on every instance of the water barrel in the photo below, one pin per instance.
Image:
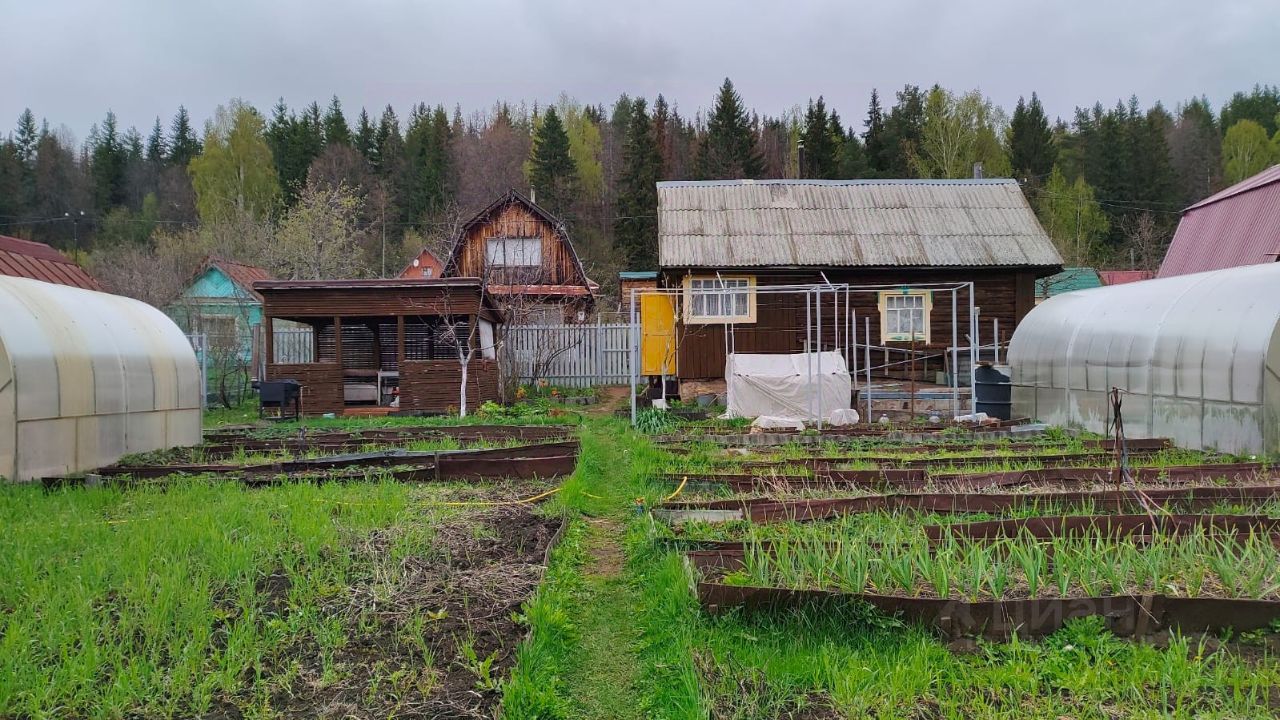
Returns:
(994, 393)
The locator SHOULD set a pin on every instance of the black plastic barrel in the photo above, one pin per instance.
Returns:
(994, 393)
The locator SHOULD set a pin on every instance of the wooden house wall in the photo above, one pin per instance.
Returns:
(516, 221)
(780, 318)
(358, 302)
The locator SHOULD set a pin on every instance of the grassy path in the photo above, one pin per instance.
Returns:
(603, 681)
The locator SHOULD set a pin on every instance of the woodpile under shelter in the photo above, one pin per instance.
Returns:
(86, 378)
(393, 345)
(903, 243)
(1197, 357)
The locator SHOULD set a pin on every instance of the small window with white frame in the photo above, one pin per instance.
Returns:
(513, 252)
(904, 315)
(720, 299)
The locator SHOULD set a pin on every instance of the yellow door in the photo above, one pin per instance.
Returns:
(657, 334)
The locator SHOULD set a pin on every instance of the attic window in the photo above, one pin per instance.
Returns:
(513, 252)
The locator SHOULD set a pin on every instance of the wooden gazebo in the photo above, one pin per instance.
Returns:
(394, 344)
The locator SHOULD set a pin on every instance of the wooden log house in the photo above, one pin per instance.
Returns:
(723, 240)
(527, 261)
(391, 344)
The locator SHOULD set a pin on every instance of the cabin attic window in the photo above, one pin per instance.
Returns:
(720, 299)
(904, 315)
(513, 252)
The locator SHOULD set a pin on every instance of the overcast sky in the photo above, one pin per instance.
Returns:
(71, 60)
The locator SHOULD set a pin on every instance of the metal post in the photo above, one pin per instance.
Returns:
(973, 354)
(995, 331)
(867, 362)
(955, 358)
(819, 358)
(808, 344)
(633, 332)
(204, 370)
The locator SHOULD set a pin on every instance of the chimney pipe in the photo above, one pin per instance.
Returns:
(977, 171)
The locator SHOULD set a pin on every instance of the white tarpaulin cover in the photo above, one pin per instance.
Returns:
(1198, 356)
(800, 386)
(87, 377)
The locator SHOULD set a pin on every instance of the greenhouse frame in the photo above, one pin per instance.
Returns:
(1196, 356)
(86, 378)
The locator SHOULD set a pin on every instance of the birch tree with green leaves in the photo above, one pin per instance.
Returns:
(1072, 217)
(235, 174)
(1246, 151)
(318, 238)
(959, 131)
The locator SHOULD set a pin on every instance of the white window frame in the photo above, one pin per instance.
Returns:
(920, 334)
(513, 252)
(699, 291)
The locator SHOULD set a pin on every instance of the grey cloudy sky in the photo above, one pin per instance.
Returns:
(71, 60)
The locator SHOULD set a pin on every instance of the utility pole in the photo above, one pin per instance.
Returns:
(75, 229)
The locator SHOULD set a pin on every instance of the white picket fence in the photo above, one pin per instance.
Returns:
(570, 355)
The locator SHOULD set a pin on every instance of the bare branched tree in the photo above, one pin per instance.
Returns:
(1148, 240)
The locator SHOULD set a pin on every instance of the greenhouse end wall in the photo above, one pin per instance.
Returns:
(1197, 356)
(87, 377)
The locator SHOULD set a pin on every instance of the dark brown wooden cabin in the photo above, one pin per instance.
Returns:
(896, 233)
(527, 261)
(376, 340)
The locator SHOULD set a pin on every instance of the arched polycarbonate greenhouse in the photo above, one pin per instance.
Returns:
(87, 377)
(1198, 357)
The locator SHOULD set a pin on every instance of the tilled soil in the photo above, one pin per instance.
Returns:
(433, 638)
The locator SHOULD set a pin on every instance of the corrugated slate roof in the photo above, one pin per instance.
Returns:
(1238, 226)
(28, 259)
(920, 223)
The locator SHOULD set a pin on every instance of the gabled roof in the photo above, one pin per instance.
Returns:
(1238, 226)
(417, 262)
(29, 259)
(849, 223)
(514, 196)
(242, 274)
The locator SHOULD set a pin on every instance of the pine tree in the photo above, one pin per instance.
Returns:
(365, 140)
(551, 170)
(336, 130)
(820, 154)
(109, 155)
(873, 137)
(184, 146)
(157, 146)
(728, 151)
(636, 228)
(1031, 150)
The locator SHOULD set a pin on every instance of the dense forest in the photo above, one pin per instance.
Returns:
(309, 192)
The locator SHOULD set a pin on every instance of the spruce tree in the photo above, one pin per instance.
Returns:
(26, 138)
(552, 171)
(109, 156)
(1031, 150)
(852, 160)
(365, 140)
(728, 152)
(336, 130)
(157, 146)
(903, 129)
(820, 154)
(874, 137)
(636, 228)
(184, 144)
(426, 152)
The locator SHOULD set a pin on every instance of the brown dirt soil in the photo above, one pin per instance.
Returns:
(465, 593)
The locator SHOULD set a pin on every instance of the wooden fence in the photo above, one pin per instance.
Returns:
(571, 355)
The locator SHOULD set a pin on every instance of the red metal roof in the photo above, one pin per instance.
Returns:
(241, 274)
(24, 258)
(1120, 277)
(425, 259)
(1238, 226)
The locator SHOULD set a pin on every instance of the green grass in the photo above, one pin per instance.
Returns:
(145, 602)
